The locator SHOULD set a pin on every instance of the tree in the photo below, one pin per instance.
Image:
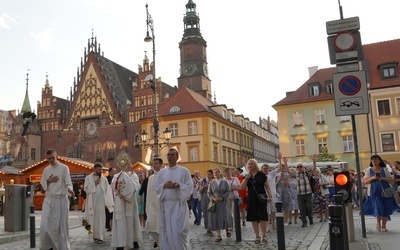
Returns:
(325, 156)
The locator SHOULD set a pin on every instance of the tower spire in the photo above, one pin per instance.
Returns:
(26, 106)
(191, 20)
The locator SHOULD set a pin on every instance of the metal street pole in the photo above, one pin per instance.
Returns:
(150, 24)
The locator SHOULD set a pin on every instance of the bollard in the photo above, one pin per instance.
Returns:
(238, 228)
(32, 226)
(337, 227)
(280, 230)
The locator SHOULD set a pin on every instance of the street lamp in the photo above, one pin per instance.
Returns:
(145, 141)
(153, 80)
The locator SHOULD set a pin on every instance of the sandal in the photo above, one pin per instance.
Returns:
(384, 229)
(264, 239)
(210, 233)
(378, 228)
(99, 241)
(218, 239)
(244, 223)
(258, 240)
(228, 233)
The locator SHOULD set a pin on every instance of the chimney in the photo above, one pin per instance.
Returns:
(312, 70)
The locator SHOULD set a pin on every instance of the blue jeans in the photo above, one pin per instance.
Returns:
(355, 198)
(196, 208)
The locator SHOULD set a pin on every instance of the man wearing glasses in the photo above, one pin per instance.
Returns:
(56, 181)
(304, 191)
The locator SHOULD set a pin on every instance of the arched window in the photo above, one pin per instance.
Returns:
(99, 152)
(110, 151)
(70, 152)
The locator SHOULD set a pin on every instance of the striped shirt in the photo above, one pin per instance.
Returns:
(303, 184)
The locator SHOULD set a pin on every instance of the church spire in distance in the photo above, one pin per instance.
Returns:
(26, 106)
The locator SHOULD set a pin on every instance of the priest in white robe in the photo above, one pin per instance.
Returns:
(153, 204)
(98, 197)
(174, 187)
(56, 181)
(122, 230)
(137, 229)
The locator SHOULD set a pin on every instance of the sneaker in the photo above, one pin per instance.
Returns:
(304, 225)
(135, 245)
(155, 245)
(311, 222)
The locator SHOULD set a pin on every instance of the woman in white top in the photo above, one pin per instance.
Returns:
(321, 194)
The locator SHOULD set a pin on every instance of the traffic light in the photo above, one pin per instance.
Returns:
(343, 185)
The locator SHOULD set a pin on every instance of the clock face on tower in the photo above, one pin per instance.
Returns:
(91, 128)
(189, 68)
(205, 69)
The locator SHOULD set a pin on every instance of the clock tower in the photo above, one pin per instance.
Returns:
(193, 72)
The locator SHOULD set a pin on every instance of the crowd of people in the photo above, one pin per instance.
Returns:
(161, 202)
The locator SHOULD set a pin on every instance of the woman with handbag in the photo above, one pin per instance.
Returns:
(377, 204)
(218, 193)
(258, 187)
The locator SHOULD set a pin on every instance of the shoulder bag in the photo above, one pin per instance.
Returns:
(387, 192)
(262, 198)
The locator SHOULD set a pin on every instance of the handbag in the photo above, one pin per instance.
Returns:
(262, 198)
(387, 192)
(211, 206)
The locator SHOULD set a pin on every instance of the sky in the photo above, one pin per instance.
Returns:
(257, 50)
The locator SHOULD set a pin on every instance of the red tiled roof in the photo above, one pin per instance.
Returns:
(380, 53)
(301, 95)
(374, 54)
(187, 100)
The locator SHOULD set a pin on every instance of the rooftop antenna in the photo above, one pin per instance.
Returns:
(340, 10)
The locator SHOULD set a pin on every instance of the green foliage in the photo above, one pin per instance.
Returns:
(325, 156)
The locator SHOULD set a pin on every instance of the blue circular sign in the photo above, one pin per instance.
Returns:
(349, 85)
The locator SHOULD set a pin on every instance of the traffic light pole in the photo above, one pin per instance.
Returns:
(358, 183)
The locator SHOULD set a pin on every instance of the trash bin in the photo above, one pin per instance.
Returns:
(16, 210)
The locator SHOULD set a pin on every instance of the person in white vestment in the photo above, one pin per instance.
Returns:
(98, 197)
(174, 187)
(122, 231)
(153, 204)
(137, 228)
(56, 182)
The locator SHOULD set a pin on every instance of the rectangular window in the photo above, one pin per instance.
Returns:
(329, 88)
(215, 153)
(194, 153)
(192, 128)
(320, 116)
(223, 132)
(383, 107)
(387, 142)
(214, 129)
(229, 157)
(300, 147)
(348, 143)
(233, 136)
(33, 153)
(314, 91)
(322, 144)
(398, 105)
(228, 134)
(224, 113)
(174, 129)
(389, 72)
(297, 118)
(224, 155)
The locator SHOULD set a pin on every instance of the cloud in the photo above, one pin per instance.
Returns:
(5, 21)
(44, 38)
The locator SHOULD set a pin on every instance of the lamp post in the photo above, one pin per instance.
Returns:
(153, 85)
(144, 136)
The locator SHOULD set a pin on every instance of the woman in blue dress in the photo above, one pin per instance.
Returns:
(376, 205)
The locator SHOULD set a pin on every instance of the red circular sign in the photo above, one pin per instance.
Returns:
(344, 41)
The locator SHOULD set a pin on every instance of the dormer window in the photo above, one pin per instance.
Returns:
(329, 87)
(314, 89)
(174, 110)
(389, 70)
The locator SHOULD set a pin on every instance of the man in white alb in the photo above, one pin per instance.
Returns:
(153, 204)
(98, 197)
(174, 187)
(56, 182)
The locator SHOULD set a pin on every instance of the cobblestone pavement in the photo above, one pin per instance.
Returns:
(311, 237)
